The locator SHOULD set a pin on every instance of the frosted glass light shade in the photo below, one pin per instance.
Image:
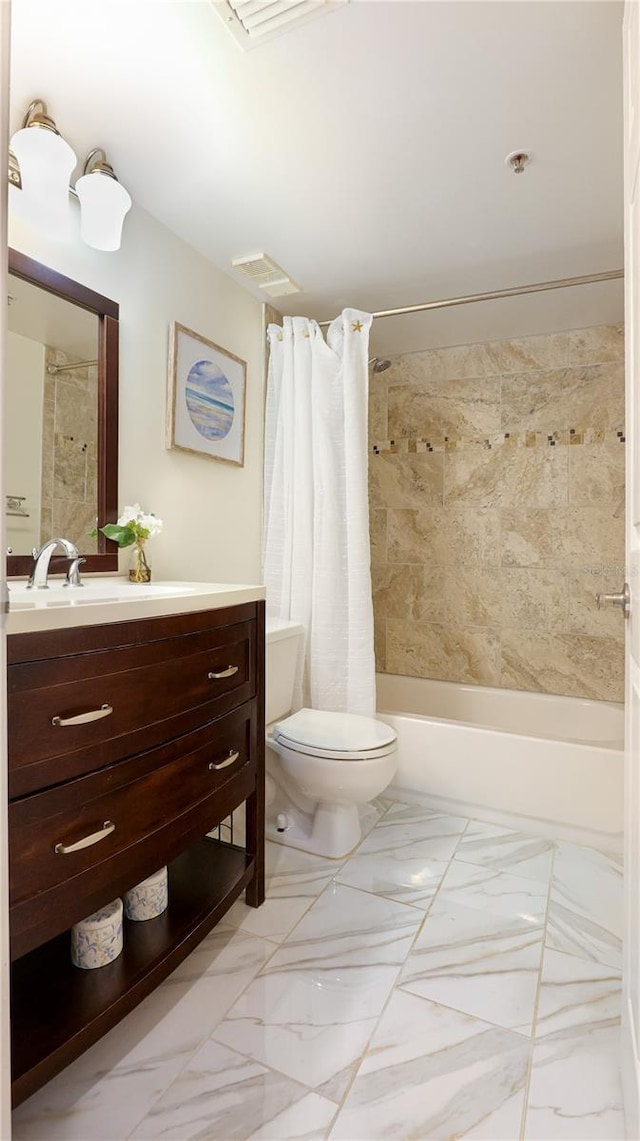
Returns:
(46, 162)
(103, 206)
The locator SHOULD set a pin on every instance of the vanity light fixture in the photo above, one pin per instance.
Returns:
(41, 164)
(103, 203)
(44, 159)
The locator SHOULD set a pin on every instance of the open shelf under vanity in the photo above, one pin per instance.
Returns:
(58, 1010)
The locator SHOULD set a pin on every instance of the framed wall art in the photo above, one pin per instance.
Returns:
(206, 398)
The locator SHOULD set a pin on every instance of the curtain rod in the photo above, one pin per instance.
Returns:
(496, 294)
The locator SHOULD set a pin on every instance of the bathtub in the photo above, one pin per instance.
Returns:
(533, 761)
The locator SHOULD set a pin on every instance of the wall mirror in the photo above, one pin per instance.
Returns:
(61, 458)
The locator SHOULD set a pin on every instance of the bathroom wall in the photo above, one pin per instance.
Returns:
(24, 389)
(211, 511)
(69, 452)
(497, 493)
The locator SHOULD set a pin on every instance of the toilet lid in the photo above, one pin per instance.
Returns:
(335, 732)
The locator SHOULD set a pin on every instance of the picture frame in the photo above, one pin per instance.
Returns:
(206, 398)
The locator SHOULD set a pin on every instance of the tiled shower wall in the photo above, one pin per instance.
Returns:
(70, 453)
(497, 513)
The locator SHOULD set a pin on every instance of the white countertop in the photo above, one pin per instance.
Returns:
(110, 599)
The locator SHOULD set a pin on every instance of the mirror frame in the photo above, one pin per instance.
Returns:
(107, 312)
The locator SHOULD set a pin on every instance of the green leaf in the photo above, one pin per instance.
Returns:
(123, 536)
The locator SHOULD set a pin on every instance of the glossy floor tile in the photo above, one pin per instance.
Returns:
(585, 917)
(477, 962)
(432, 1072)
(450, 979)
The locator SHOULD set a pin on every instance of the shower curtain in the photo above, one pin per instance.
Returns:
(316, 542)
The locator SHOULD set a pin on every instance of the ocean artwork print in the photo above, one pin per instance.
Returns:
(209, 398)
(206, 398)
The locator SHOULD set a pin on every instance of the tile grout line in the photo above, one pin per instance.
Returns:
(395, 985)
(536, 1006)
(278, 947)
(208, 1034)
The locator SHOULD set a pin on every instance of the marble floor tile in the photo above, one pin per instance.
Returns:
(339, 991)
(293, 880)
(575, 993)
(406, 855)
(123, 1074)
(103, 1105)
(495, 892)
(476, 962)
(221, 1095)
(311, 1012)
(434, 1073)
(575, 1079)
(575, 1090)
(504, 850)
(586, 905)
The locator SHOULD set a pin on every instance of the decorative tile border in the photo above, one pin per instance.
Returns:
(566, 437)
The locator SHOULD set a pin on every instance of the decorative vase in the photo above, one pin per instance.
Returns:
(139, 570)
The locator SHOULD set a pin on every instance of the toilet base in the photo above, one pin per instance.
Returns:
(332, 831)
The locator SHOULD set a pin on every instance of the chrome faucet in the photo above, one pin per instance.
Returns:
(73, 573)
(42, 558)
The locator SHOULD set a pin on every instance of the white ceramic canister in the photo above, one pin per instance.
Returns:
(97, 940)
(148, 899)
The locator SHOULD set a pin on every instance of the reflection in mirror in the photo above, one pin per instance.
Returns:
(62, 413)
(52, 409)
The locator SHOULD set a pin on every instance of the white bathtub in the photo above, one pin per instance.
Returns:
(529, 760)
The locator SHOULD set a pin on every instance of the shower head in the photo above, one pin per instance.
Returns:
(379, 365)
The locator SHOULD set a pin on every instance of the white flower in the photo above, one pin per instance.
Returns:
(144, 526)
(151, 523)
(130, 515)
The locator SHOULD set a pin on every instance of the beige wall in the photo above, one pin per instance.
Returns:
(211, 511)
(497, 490)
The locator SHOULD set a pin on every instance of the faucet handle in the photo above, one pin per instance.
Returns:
(73, 573)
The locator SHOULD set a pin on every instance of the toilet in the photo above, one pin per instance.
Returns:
(323, 768)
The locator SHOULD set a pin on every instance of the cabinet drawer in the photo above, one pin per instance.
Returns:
(120, 824)
(78, 713)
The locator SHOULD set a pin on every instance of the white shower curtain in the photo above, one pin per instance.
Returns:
(316, 546)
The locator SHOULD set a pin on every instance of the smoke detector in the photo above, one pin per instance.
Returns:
(265, 272)
(255, 22)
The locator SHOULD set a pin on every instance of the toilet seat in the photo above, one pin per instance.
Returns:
(338, 736)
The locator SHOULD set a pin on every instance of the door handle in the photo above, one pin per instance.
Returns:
(623, 600)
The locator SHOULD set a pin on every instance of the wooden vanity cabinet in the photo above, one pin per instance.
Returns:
(137, 738)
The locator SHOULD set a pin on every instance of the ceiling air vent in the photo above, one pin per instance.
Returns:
(266, 273)
(255, 22)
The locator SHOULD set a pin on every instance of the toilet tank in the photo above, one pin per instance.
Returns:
(284, 641)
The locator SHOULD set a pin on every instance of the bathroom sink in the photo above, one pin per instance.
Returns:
(105, 590)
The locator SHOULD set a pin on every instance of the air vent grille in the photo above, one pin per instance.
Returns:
(254, 22)
(266, 273)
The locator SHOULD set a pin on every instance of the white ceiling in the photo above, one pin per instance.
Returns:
(363, 151)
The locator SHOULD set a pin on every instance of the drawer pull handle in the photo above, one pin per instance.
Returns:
(233, 756)
(229, 672)
(84, 718)
(87, 841)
